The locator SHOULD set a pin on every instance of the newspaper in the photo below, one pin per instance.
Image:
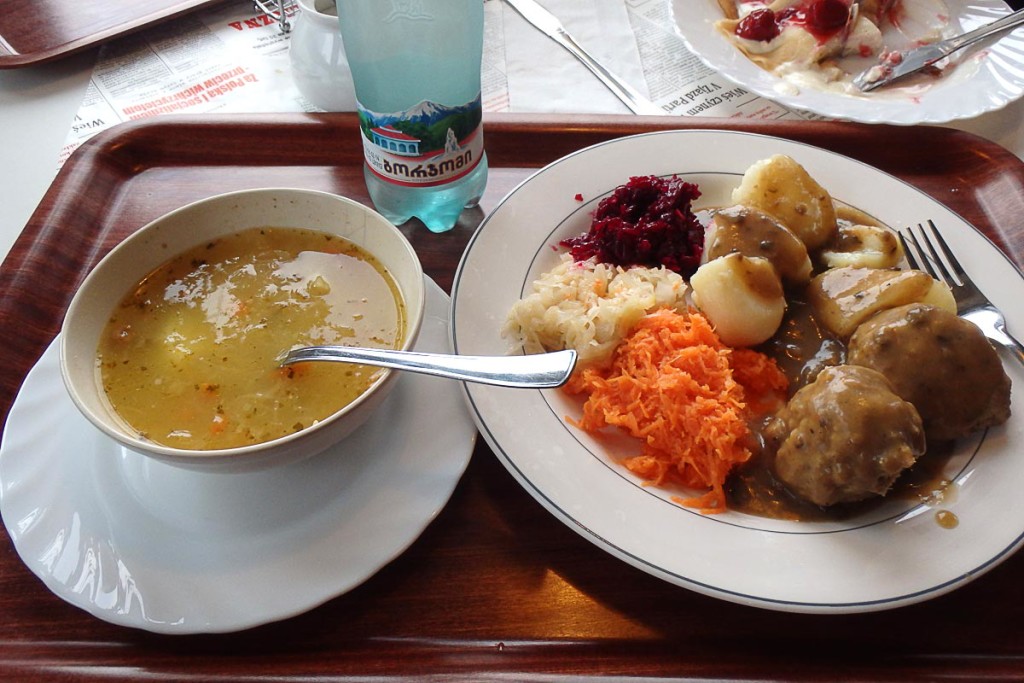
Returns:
(680, 82)
(234, 59)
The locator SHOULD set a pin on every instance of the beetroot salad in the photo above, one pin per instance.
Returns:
(648, 222)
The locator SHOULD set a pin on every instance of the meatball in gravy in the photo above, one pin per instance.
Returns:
(940, 363)
(845, 437)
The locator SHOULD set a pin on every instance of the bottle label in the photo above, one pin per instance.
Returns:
(430, 144)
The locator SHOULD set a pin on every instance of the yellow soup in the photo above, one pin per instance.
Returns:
(191, 356)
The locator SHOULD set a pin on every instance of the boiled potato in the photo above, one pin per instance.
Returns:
(940, 296)
(741, 296)
(783, 188)
(750, 232)
(843, 298)
(863, 246)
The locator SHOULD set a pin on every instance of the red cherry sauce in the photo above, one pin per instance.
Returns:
(821, 18)
(759, 25)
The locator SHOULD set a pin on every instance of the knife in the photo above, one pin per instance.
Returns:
(897, 64)
(552, 27)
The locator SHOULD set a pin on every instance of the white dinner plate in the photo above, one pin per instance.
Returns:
(895, 554)
(143, 544)
(983, 79)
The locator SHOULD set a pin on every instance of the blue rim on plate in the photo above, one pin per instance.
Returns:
(856, 565)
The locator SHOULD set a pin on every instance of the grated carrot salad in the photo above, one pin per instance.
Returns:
(689, 397)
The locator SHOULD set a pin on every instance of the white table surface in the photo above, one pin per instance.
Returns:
(38, 105)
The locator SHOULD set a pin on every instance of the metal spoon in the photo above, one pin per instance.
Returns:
(537, 371)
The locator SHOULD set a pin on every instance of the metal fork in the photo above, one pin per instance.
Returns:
(971, 302)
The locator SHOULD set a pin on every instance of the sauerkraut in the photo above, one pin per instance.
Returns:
(590, 307)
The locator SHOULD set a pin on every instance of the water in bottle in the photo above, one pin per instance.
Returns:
(416, 69)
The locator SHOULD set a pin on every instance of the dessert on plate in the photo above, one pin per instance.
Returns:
(823, 43)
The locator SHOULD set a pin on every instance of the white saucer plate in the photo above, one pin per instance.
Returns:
(896, 554)
(983, 79)
(143, 544)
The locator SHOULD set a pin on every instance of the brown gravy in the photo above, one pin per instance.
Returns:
(803, 348)
(754, 489)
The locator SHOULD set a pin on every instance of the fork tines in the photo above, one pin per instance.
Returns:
(927, 257)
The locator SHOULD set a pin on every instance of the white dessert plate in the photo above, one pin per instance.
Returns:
(982, 80)
(143, 544)
(894, 554)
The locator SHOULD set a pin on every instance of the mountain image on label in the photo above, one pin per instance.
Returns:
(429, 144)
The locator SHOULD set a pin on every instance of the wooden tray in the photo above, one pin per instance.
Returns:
(37, 31)
(495, 587)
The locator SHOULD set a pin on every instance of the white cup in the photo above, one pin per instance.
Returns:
(317, 56)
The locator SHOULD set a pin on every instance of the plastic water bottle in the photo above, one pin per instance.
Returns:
(416, 69)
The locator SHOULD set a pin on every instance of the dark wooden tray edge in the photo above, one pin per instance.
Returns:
(12, 59)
